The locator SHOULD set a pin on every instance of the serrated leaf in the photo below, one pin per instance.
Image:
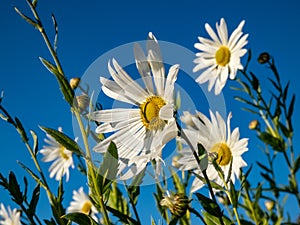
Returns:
(209, 205)
(35, 142)
(63, 139)
(65, 87)
(80, 218)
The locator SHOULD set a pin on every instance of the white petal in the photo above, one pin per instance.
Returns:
(169, 87)
(114, 115)
(166, 112)
(143, 67)
(158, 72)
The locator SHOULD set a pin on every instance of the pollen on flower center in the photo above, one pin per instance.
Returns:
(62, 153)
(150, 112)
(86, 207)
(224, 153)
(223, 56)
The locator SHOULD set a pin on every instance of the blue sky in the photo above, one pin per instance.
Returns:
(88, 30)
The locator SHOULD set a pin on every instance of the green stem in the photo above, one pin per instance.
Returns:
(90, 166)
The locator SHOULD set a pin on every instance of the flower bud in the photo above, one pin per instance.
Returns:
(175, 162)
(178, 204)
(263, 58)
(83, 102)
(253, 125)
(269, 205)
(74, 82)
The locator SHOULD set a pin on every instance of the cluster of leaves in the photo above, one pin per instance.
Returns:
(226, 205)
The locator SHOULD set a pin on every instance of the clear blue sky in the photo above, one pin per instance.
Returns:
(88, 29)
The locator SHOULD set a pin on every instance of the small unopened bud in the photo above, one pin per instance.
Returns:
(254, 125)
(175, 162)
(223, 198)
(83, 102)
(74, 82)
(269, 205)
(178, 204)
(263, 58)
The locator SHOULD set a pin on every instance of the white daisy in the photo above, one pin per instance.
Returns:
(82, 204)
(221, 56)
(140, 132)
(61, 156)
(9, 217)
(218, 140)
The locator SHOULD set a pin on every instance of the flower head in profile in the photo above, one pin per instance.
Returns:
(82, 204)
(221, 145)
(221, 56)
(61, 156)
(9, 217)
(140, 132)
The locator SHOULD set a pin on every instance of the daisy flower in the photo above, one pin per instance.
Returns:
(9, 217)
(218, 140)
(61, 156)
(82, 204)
(221, 56)
(140, 132)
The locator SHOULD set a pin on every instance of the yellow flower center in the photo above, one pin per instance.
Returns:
(150, 112)
(62, 153)
(224, 153)
(223, 56)
(86, 207)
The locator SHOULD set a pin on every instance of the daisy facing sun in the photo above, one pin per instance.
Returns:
(220, 143)
(221, 56)
(140, 132)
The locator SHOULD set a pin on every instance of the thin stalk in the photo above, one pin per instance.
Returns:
(89, 162)
(203, 172)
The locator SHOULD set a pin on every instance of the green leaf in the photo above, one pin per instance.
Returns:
(254, 82)
(290, 111)
(286, 132)
(174, 221)
(65, 87)
(80, 218)
(35, 142)
(285, 92)
(63, 139)
(109, 167)
(276, 143)
(122, 217)
(14, 189)
(134, 188)
(234, 195)
(264, 167)
(32, 174)
(34, 200)
(27, 19)
(117, 201)
(212, 183)
(21, 130)
(213, 220)
(209, 205)
(297, 164)
(177, 183)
